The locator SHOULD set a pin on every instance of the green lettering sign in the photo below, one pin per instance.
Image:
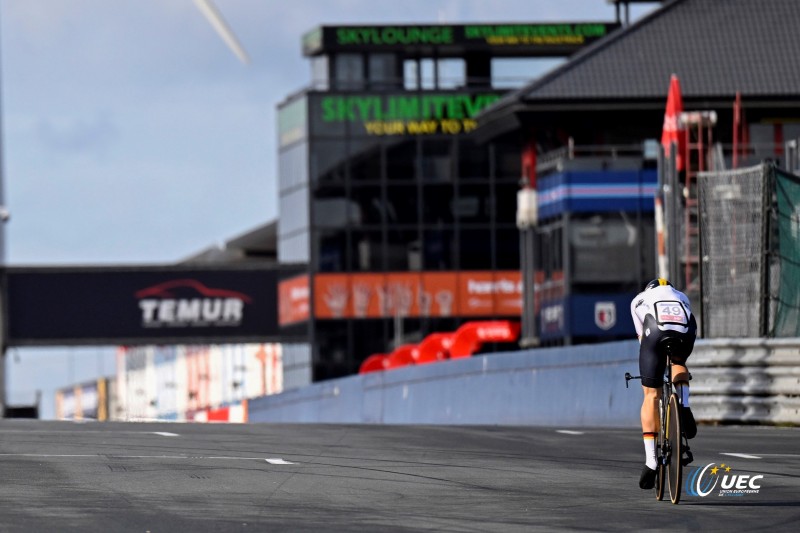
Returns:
(395, 35)
(341, 108)
(529, 32)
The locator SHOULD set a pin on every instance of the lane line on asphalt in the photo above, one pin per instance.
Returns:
(278, 461)
(762, 455)
(569, 432)
(274, 461)
(165, 433)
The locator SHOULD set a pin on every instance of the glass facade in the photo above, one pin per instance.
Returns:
(391, 184)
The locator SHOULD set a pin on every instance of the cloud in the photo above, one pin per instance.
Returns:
(93, 136)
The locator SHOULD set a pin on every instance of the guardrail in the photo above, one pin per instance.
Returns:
(746, 381)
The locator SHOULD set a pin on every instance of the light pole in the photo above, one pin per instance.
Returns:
(4, 216)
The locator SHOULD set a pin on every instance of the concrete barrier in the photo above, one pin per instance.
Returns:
(734, 381)
(572, 386)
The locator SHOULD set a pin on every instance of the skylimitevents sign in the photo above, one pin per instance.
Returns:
(428, 114)
(149, 305)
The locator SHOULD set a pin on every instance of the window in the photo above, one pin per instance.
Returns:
(333, 210)
(367, 251)
(514, 72)
(473, 160)
(370, 204)
(452, 73)
(438, 247)
(328, 159)
(401, 159)
(293, 166)
(365, 160)
(349, 72)
(506, 201)
(331, 251)
(437, 160)
(403, 250)
(606, 248)
(437, 204)
(508, 162)
(428, 68)
(383, 72)
(319, 73)
(411, 74)
(474, 204)
(507, 248)
(475, 249)
(293, 211)
(402, 204)
(293, 248)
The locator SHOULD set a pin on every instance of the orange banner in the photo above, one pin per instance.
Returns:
(418, 294)
(293, 300)
(490, 293)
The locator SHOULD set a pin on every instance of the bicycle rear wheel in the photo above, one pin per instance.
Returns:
(674, 467)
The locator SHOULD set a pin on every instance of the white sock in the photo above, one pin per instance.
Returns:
(683, 392)
(650, 450)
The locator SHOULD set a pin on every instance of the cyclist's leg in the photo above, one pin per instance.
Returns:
(651, 368)
(680, 377)
(650, 423)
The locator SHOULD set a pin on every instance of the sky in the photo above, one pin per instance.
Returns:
(131, 134)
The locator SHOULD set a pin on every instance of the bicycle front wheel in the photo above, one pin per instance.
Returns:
(674, 467)
(661, 452)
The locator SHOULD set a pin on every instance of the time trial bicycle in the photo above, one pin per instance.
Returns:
(672, 446)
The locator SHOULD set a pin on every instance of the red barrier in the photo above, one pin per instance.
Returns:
(433, 348)
(374, 363)
(401, 356)
(469, 337)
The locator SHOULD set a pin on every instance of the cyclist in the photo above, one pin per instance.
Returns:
(662, 312)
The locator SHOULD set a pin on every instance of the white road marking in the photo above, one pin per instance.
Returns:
(165, 434)
(115, 456)
(742, 455)
(46, 455)
(569, 432)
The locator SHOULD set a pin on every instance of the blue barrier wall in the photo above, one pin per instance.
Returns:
(567, 386)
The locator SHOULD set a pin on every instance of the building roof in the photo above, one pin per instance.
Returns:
(259, 244)
(716, 47)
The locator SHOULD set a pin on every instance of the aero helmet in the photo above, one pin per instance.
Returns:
(657, 283)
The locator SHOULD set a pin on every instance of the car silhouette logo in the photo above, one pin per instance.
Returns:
(166, 290)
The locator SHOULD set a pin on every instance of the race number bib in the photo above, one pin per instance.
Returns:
(671, 312)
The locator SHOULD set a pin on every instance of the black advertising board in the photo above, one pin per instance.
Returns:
(544, 39)
(82, 306)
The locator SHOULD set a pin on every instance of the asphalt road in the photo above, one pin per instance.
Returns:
(59, 476)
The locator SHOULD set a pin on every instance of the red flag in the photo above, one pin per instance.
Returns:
(673, 130)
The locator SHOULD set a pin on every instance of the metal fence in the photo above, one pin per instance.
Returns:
(750, 251)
